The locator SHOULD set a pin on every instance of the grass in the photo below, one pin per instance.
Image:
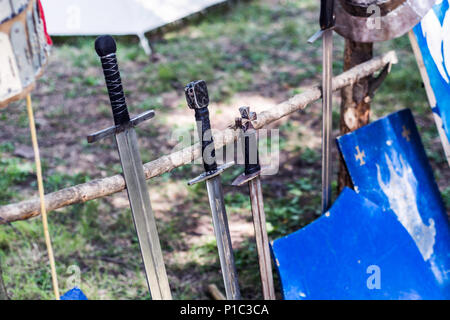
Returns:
(256, 47)
(14, 172)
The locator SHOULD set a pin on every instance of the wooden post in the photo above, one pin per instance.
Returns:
(3, 293)
(355, 105)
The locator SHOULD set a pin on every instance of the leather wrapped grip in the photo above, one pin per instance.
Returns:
(207, 142)
(106, 49)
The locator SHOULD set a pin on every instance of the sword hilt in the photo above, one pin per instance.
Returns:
(327, 17)
(251, 156)
(197, 98)
(105, 46)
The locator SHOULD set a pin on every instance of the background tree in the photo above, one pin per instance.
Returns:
(355, 106)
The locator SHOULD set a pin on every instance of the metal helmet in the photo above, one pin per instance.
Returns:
(378, 20)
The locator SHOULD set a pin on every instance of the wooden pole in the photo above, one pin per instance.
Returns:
(355, 105)
(40, 183)
(103, 187)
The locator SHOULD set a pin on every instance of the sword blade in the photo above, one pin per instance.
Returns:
(143, 217)
(327, 114)
(262, 240)
(222, 233)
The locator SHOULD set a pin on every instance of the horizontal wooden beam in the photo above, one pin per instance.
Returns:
(107, 186)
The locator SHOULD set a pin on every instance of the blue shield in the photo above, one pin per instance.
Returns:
(388, 165)
(74, 294)
(433, 38)
(353, 251)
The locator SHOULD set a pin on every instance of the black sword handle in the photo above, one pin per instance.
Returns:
(198, 99)
(250, 142)
(327, 18)
(105, 46)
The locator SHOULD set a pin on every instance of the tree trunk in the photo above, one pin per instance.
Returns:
(3, 294)
(355, 105)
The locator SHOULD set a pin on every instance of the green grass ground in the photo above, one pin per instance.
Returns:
(253, 52)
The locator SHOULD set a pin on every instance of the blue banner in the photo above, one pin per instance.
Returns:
(433, 38)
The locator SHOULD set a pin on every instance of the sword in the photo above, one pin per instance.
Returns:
(130, 158)
(197, 98)
(327, 21)
(251, 176)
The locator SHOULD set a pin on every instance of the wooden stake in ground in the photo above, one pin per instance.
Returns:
(3, 293)
(41, 197)
(355, 105)
(215, 292)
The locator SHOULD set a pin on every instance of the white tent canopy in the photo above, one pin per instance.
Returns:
(117, 17)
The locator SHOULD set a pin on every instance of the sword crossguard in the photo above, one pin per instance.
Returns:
(243, 179)
(211, 174)
(197, 98)
(99, 135)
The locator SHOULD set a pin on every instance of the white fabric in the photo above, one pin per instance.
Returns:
(116, 17)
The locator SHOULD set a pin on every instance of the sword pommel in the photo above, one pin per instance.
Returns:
(197, 94)
(197, 98)
(105, 46)
(327, 17)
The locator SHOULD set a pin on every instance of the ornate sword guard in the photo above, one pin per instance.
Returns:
(250, 135)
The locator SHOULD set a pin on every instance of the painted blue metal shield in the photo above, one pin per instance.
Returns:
(353, 251)
(74, 294)
(433, 38)
(388, 165)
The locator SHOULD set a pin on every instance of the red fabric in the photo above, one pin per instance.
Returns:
(41, 13)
